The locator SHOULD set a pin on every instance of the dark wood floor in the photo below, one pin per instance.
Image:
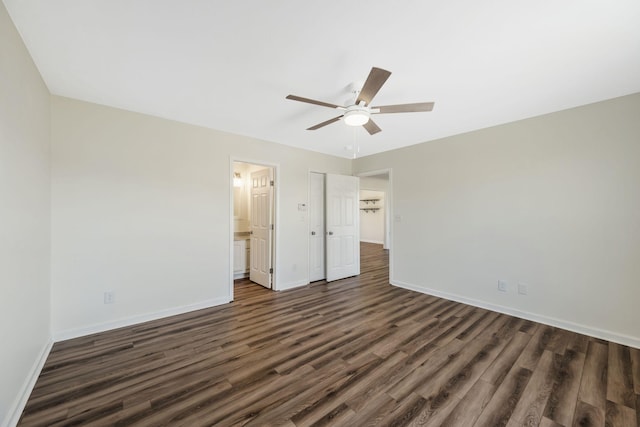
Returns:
(353, 352)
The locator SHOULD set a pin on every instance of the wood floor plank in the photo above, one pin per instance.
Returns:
(593, 386)
(353, 352)
(563, 398)
(578, 342)
(535, 348)
(502, 404)
(619, 376)
(588, 416)
(436, 410)
(546, 422)
(455, 379)
(470, 406)
(376, 385)
(302, 399)
(327, 403)
(619, 415)
(278, 396)
(559, 341)
(502, 365)
(342, 415)
(374, 409)
(530, 407)
(421, 375)
(477, 325)
(405, 412)
(355, 394)
(635, 366)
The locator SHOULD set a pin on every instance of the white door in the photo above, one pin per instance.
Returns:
(316, 227)
(261, 227)
(343, 229)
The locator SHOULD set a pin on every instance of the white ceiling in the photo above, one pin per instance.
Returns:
(228, 65)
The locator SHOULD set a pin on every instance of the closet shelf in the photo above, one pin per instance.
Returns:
(369, 209)
(370, 200)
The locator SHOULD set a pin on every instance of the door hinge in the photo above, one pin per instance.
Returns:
(272, 183)
(271, 271)
(272, 226)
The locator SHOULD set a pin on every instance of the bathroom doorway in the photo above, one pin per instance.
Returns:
(253, 202)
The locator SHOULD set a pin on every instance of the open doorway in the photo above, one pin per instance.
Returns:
(253, 193)
(375, 210)
(372, 216)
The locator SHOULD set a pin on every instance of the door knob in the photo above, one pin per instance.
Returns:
(313, 233)
(331, 233)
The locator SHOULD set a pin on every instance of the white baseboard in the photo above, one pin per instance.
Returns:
(133, 320)
(13, 416)
(551, 321)
(291, 285)
(377, 242)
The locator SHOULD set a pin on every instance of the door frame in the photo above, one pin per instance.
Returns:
(324, 255)
(388, 209)
(276, 216)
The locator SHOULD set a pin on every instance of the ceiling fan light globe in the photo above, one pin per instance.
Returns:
(356, 118)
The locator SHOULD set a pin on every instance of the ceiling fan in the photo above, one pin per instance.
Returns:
(359, 113)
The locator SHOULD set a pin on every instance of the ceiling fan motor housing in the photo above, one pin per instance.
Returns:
(356, 115)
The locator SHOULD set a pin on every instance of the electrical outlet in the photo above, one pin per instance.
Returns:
(502, 286)
(109, 297)
(522, 289)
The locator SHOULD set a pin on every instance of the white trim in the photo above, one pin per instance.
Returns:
(377, 242)
(324, 174)
(231, 227)
(15, 412)
(133, 320)
(551, 321)
(292, 285)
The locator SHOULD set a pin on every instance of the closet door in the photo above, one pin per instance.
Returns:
(342, 226)
(316, 227)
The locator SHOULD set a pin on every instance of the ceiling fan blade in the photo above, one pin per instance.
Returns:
(328, 122)
(405, 108)
(313, 101)
(371, 127)
(372, 85)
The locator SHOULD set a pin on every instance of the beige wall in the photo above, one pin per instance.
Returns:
(551, 202)
(24, 221)
(141, 207)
